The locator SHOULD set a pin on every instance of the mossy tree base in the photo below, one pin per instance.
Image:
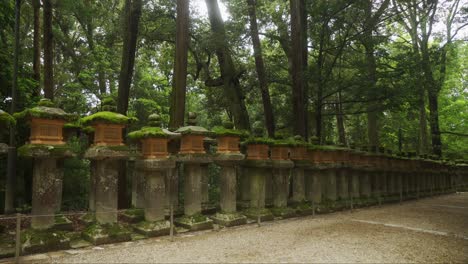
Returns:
(153, 229)
(229, 219)
(254, 213)
(135, 215)
(195, 222)
(37, 241)
(104, 234)
(283, 212)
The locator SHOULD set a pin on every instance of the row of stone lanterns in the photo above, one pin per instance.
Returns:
(323, 177)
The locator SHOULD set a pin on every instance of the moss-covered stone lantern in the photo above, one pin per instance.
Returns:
(106, 154)
(152, 169)
(257, 167)
(192, 154)
(46, 147)
(6, 121)
(228, 157)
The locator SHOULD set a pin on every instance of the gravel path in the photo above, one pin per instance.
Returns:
(429, 230)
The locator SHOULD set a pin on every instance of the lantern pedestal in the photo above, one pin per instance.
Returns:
(298, 181)
(228, 215)
(281, 170)
(154, 172)
(257, 171)
(193, 219)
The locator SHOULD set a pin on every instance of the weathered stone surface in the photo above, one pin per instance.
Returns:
(155, 196)
(45, 151)
(228, 159)
(192, 189)
(152, 229)
(328, 177)
(313, 186)
(194, 158)
(44, 193)
(154, 164)
(283, 212)
(280, 186)
(229, 219)
(298, 182)
(354, 184)
(106, 190)
(364, 184)
(109, 152)
(133, 215)
(195, 222)
(36, 241)
(342, 183)
(107, 233)
(228, 189)
(3, 148)
(204, 184)
(257, 186)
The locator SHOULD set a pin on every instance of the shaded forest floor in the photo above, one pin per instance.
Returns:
(428, 230)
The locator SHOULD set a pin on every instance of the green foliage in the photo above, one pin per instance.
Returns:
(258, 140)
(6, 119)
(221, 131)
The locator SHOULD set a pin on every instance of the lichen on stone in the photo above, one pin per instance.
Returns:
(52, 151)
(44, 112)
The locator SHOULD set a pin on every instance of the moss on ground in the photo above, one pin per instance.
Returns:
(192, 219)
(107, 117)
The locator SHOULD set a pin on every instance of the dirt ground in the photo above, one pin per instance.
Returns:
(428, 230)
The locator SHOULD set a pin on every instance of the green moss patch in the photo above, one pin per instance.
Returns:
(107, 117)
(35, 241)
(221, 131)
(259, 140)
(35, 150)
(106, 233)
(148, 132)
(44, 112)
(152, 229)
(6, 119)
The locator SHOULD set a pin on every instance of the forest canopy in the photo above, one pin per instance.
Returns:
(389, 73)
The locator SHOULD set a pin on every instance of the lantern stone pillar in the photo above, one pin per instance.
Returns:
(193, 155)
(281, 172)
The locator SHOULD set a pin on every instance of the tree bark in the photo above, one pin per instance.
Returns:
(48, 39)
(10, 186)
(260, 67)
(180, 66)
(229, 73)
(37, 47)
(340, 121)
(131, 20)
(299, 66)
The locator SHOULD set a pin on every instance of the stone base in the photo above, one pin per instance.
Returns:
(62, 223)
(253, 213)
(88, 219)
(391, 199)
(37, 241)
(229, 219)
(243, 205)
(152, 229)
(7, 245)
(195, 222)
(302, 208)
(105, 234)
(135, 215)
(209, 208)
(284, 212)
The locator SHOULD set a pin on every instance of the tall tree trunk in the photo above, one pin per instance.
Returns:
(10, 188)
(180, 66)
(48, 51)
(260, 67)
(422, 144)
(37, 47)
(340, 121)
(299, 66)
(131, 20)
(229, 74)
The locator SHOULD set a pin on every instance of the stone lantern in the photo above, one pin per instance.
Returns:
(106, 154)
(153, 166)
(192, 154)
(228, 156)
(46, 147)
(6, 121)
(281, 166)
(257, 167)
(300, 181)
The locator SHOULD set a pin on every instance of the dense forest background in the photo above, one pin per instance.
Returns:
(391, 73)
